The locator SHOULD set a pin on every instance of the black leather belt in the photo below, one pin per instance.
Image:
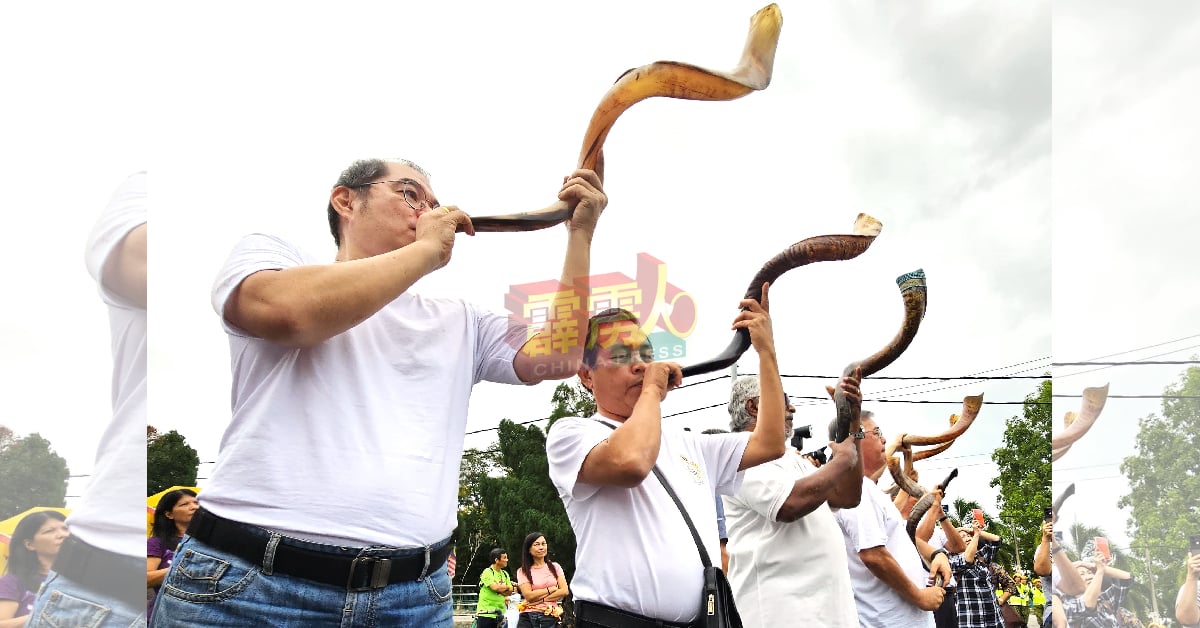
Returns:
(591, 614)
(107, 574)
(355, 573)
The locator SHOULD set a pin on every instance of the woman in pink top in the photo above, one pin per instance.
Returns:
(542, 584)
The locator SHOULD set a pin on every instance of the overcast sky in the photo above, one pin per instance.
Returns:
(1126, 89)
(937, 121)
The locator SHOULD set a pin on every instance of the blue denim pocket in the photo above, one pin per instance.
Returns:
(199, 577)
(438, 585)
(66, 611)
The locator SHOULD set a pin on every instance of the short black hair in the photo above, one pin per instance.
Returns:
(496, 553)
(591, 346)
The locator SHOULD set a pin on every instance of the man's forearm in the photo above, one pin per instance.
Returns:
(1068, 580)
(304, 306)
(767, 441)
(574, 301)
(1041, 559)
(1187, 609)
(883, 565)
(810, 491)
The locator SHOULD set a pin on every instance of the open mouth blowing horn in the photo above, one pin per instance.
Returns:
(826, 248)
(670, 79)
(912, 290)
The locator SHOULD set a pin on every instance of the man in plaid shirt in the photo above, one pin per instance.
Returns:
(975, 600)
(1097, 607)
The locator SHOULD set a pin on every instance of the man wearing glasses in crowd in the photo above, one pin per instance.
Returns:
(886, 571)
(786, 562)
(335, 493)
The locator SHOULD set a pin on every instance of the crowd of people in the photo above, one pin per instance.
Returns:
(326, 357)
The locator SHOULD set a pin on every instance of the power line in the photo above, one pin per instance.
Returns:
(1137, 396)
(1161, 344)
(1157, 355)
(1134, 363)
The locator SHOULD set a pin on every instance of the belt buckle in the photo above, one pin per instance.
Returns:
(378, 570)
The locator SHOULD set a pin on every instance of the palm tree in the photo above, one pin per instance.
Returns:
(1006, 554)
(1138, 598)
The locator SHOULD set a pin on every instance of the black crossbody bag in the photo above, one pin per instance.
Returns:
(717, 609)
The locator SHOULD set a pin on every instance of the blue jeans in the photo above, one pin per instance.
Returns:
(207, 587)
(63, 602)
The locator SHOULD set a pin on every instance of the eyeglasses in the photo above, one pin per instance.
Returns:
(878, 432)
(412, 192)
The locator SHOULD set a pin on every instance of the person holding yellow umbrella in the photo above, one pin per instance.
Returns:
(31, 552)
(171, 518)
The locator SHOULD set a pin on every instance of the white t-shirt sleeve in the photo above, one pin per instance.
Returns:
(253, 253)
(722, 456)
(568, 444)
(765, 488)
(863, 525)
(125, 212)
(496, 345)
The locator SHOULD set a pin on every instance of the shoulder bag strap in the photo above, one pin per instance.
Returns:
(704, 559)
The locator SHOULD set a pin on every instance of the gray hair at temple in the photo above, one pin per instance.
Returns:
(863, 415)
(746, 387)
(358, 174)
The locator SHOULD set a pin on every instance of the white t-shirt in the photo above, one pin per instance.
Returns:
(938, 541)
(876, 522)
(786, 573)
(356, 441)
(110, 514)
(633, 549)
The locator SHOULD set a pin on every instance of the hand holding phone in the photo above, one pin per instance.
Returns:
(1194, 544)
(1048, 513)
(978, 514)
(1103, 550)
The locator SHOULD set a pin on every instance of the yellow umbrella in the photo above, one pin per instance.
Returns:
(8, 526)
(152, 503)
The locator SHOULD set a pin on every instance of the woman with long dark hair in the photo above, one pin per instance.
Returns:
(31, 552)
(171, 518)
(542, 584)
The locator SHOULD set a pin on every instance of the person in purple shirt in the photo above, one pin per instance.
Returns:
(31, 551)
(171, 518)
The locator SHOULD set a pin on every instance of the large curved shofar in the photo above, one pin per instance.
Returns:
(912, 290)
(958, 425)
(922, 506)
(825, 248)
(670, 79)
(1062, 498)
(1076, 427)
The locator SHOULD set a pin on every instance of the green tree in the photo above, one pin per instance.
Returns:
(475, 536)
(170, 461)
(1164, 486)
(517, 496)
(31, 474)
(1138, 599)
(961, 511)
(1023, 473)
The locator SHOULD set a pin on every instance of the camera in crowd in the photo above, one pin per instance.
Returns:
(798, 436)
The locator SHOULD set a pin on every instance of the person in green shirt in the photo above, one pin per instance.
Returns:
(494, 586)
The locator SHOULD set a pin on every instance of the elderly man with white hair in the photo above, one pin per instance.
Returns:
(786, 562)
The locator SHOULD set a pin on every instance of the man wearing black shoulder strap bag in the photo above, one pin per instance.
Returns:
(646, 544)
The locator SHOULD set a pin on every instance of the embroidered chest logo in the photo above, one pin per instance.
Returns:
(692, 468)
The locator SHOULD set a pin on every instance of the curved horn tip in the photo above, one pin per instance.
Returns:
(867, 225)
(911, 279)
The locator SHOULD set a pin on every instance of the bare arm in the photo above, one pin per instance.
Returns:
(1187, 609)
(927, 523)
(154, 575)
(1058, 614)
(18, 622)
(972, 547)
(584, 192)
(883, 565)
(626, 457)
(306, 305)
(1091, 595)
(1068, 581)
(125, 269)
(8, 608)
(767, 441)
(560, 591)
(1041, 558)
